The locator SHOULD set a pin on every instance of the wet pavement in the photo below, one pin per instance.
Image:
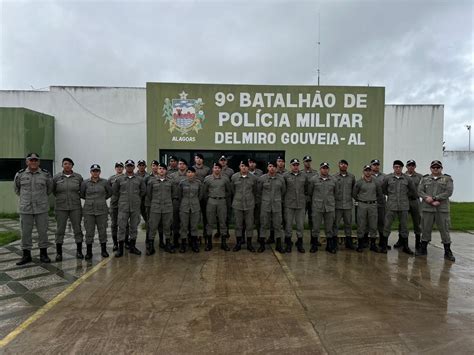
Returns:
(226, 302)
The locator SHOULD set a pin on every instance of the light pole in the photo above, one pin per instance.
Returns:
(468, 126)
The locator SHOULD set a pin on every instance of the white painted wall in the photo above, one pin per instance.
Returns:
(92, 124)
(413, 132)
(460, 165)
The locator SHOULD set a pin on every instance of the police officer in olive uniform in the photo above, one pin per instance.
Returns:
(201, 172)
(244, 190)
(160, 192)
(226, 171)
(95, 191)
(33, 185)
(190, 192)
(435, 189)
(141, 172)
(150, 245)
(256, 211)
(129, 190)
(322, 190)
(415, 210)
(366, 192)
(177, 177)
(217, 191)
(253, 168)
(295, 201)
(114, 207)
(345, 184)
(310, 172)
(271, 193)
(399, 189)
(67, 190)
(379, 177)
(173, 165)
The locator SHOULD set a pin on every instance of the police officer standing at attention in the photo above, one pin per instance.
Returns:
(256, 212)
(67, 190)
(322, 190)
(173, 165)
(253, 168)
(216, 190)
(150, 245)
(271, 192)
(398, 188)
(33, 185)
(226, 171)
(414, 210)
(95, 192)
(160, 191)
(366, 192)
(295, 202)
(310, 172)
(244, 190)
(141, 172)
(114, 206)
(201, 172)
(177, 177)
(345, 183)
(379, 177)
(190, 193)
(280, 165)
(129, 190)
(435, 189)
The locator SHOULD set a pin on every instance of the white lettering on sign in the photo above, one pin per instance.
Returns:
(337, 120)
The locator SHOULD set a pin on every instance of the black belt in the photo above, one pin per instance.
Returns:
(369, 202)
(217, 198)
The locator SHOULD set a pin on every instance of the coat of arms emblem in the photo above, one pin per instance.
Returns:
(184, 115)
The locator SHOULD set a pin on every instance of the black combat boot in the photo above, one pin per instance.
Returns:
(399, 242)
(238, 244)
(299, 245)
(373, 246)
(224, 245)
(169, 247)
(194, 244)
(243, 237)
(318, 243)
(278, 246)
(44, 258)
(26, 258)
(271, 238)
(176, 241)
(417, 242)
(388, 247)
(314, 245)
(406, 249)
(133, 249)
(261, 242)
(126, 242)
(119, 252)
(448, 254)
(365, 241)
(88, 252)
(103, 250)
(114, 239)
(288, 244)
(332, 245)
(79, 254)
(161, 244)
(423, 251)
(249, 245)
(348, 243)
(208, 241)
(360, 244)
(59, 252)
(182, 248)
(152, 246)
(383, 244)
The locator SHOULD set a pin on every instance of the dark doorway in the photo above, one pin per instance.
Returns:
(234, 156)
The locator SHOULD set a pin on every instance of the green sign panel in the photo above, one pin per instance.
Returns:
(327, 122)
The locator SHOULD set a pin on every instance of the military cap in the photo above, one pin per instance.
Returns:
(343, 161)
(192, 169)
(155, 162)
(375, 162)
(436, 163)
(271, 162)
(251, 160)
(163, 165)
(324, 164)
(141, 162)
(216, 163)
(68, 160)
(307, 158)
(31, 156)
(199, 155)
(182, 160)
(223, 157)
(129, 162)
(398, 162)
(119, 163)
(367, 167)
(294, 161)
(411, 162)
(95, 167)
(244, 162)
(173, 157)
(280, 157)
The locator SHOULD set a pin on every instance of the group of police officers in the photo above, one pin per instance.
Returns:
(174, 198)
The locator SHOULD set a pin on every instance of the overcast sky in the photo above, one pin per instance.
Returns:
(420, 51)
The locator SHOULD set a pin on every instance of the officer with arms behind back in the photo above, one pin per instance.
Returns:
(33, 185)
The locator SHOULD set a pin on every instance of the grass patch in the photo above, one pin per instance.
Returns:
(9, 215)
(462, 216)
(8, 237)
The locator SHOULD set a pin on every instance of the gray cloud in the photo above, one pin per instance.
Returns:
(421, 51)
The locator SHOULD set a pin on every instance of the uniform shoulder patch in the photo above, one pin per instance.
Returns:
(426, 175)
(21, 171)
(44, 171)
(447, 175)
